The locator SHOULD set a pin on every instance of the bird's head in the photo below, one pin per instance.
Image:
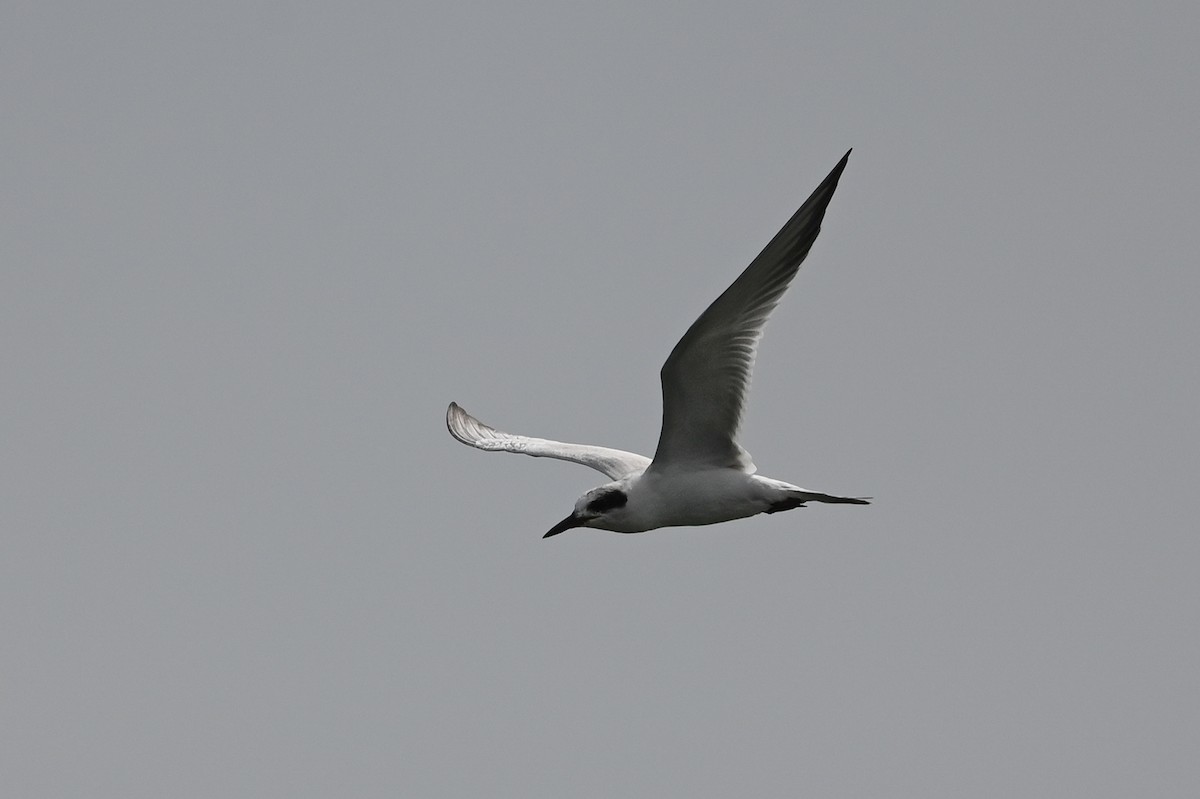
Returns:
(601, 507)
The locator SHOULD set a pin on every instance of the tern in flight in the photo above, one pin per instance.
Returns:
(700, 474)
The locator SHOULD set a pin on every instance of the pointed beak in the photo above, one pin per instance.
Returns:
(565, 524)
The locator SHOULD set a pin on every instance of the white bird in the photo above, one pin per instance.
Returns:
(700, 474)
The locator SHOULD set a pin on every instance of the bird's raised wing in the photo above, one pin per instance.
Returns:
(707, 375)
(613, 462)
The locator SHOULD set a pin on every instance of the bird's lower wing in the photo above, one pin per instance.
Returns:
(613, 462)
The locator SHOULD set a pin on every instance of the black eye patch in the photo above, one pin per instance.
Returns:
(607, 501)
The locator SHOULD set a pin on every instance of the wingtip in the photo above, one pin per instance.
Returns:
(456, 421)
(469, 430)
(824, 192)
(837, 170)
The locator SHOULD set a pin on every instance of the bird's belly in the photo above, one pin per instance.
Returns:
(699, 498)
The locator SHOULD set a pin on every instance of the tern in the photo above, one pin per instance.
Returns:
(699, 474)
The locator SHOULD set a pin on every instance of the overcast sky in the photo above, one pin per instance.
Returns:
(249, 251)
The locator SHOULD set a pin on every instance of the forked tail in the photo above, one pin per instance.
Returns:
(812, 496)
(796, 499)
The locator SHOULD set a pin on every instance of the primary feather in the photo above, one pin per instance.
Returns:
(707, 376)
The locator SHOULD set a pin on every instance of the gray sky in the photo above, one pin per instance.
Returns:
(249, 252)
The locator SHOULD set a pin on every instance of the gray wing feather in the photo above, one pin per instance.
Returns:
(613, 462)
(707, 375)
